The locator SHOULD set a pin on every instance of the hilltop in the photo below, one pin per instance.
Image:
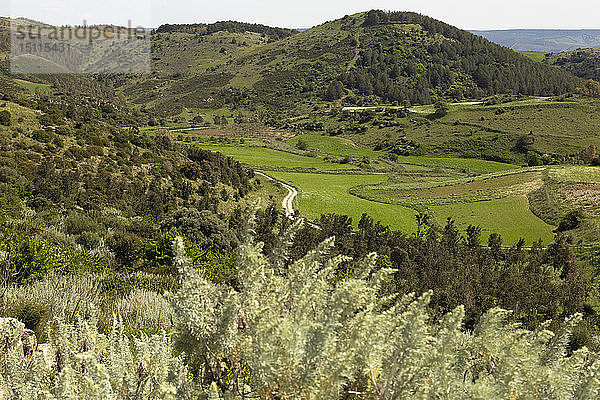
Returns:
(366, 58)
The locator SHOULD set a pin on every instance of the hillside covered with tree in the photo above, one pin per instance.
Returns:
(374, 57)
(584, 63)
(409, 57)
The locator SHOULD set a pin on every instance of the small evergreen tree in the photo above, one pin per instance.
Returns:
(335, 91)
(5, 117)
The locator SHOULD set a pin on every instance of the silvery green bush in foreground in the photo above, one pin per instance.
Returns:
(295, 331)
(80, 363)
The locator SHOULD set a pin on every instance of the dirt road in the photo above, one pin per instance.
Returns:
(288, 201)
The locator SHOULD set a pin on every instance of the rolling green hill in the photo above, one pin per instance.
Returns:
(366, 58)
(584, 63)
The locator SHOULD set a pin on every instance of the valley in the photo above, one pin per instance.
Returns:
(383, 206)
(336, 174)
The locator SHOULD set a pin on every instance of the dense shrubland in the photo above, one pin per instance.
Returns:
(293, 329)
(536, 283)
(115, 193)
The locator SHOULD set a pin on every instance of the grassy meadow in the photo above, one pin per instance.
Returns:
(495, 199)
(538, 56)
(509, 216)
(329, 193)
(31, 86)
(269, 159)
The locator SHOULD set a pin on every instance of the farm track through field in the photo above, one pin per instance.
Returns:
(288, 201)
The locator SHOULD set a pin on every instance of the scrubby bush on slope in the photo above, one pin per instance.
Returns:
(297, 330)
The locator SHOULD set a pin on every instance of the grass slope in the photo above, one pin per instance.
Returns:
(268, 158)
(538, 56)
(326, 193)
(490, 132)
(510, 217)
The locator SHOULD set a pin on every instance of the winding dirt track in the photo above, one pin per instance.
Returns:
(288, 201)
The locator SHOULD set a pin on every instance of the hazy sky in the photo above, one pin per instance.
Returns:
(466, 14)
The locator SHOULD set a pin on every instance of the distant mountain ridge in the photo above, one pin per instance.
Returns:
(546, 40)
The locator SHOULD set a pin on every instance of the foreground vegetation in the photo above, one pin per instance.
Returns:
(329, 340)
(441, 187)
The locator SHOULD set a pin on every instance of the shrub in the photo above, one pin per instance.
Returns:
(191, 170)
(77, 223)
(289, 332)
(126, 247)
(31, 312)
(296, 329)
(334, 91)
(524, 142)
(24, 258)
(571, 221)
(146, 311)
(204, 227)
(302, 145)
(5, 117)
(79, 363)
(64, 297)
(533, 159)
(89, 240)
(441, 109)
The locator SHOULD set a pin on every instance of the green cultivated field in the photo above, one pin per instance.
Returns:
(538, 56)
(470, 164)
(334, 145)
(464, 190)
(269, 158)
(497, 200)
(327, 193)
(575, 174)
(510, 217)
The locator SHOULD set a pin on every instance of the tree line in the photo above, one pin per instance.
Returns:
(227, 26)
